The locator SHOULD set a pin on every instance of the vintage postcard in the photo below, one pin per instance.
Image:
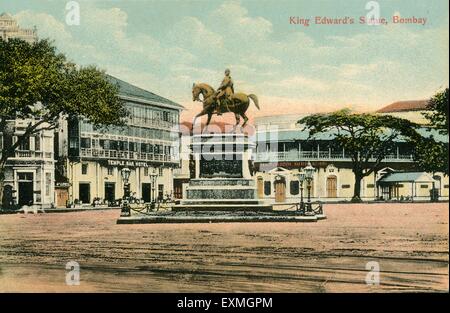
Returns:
(224, 146)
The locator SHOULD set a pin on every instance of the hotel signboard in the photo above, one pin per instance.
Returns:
(126, 163)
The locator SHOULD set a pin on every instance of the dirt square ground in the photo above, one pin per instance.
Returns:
(409, 242)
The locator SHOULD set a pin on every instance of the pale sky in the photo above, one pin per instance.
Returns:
(165, 46)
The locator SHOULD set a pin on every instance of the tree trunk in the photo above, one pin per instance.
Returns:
(357, 189)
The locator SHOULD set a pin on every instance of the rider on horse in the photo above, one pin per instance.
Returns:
(224, 92)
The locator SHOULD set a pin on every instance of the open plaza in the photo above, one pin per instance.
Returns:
(329, 256)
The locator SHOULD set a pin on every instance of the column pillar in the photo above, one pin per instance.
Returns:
(197, 165)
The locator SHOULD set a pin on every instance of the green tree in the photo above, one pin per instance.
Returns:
(431, 153)
(39, 85)
(438, 114)
(366, 138)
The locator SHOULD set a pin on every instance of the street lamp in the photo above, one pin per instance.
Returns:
(153, 175)
(309, 175)
(125, 172)
(301, 178)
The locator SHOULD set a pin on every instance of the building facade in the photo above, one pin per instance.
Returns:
(29, 173)
(186, 171)
(10, 29)
(283, 148)
(148, 145)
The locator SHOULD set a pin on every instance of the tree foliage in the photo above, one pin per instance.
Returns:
(39, 85)
(366, 138)
(439, 109)
(36, 73)
(431, 154)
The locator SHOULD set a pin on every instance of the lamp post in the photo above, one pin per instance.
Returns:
(301, 179)
(309, 175)
(153, 175)
(125, 172)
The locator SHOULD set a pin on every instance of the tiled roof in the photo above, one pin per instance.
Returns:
(402, 106)
(129, 90)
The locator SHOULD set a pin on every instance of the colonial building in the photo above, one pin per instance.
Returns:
(29, 173)
(93, 158)
(10, 29)
(283, 148)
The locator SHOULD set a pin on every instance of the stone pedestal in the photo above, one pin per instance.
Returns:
(223, 179)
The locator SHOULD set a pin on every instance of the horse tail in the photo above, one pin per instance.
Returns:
(255, 100)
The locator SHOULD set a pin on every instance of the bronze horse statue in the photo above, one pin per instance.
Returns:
(239, 105)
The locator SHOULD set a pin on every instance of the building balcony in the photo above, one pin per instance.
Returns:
(32, 155)
(156, 124)
(320, 156)
(126, 155)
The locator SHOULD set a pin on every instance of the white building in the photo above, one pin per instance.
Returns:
(91, 160)
(283, 149)
(10, 29)
(29, 173)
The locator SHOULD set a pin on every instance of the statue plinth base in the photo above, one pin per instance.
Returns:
(223, 179)
(223, 189)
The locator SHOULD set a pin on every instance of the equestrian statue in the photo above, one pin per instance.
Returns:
(223, 100)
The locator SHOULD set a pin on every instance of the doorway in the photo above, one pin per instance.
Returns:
(110, 192)
(332, 187)
(437, 184)
(280, 190)
(25, 188)
(25, 193)
(62, 196)
(85, 192)
(146, 192)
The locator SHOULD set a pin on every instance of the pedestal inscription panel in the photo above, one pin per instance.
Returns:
(220, 168)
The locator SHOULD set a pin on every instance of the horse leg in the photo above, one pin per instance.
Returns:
(245, 119)
(238, 120)
(208, 121)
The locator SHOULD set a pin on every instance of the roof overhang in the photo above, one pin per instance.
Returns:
(154, 103)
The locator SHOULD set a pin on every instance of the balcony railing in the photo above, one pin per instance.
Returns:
(27, 154)
(319, 156)
(125, 155)
(153, 123)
